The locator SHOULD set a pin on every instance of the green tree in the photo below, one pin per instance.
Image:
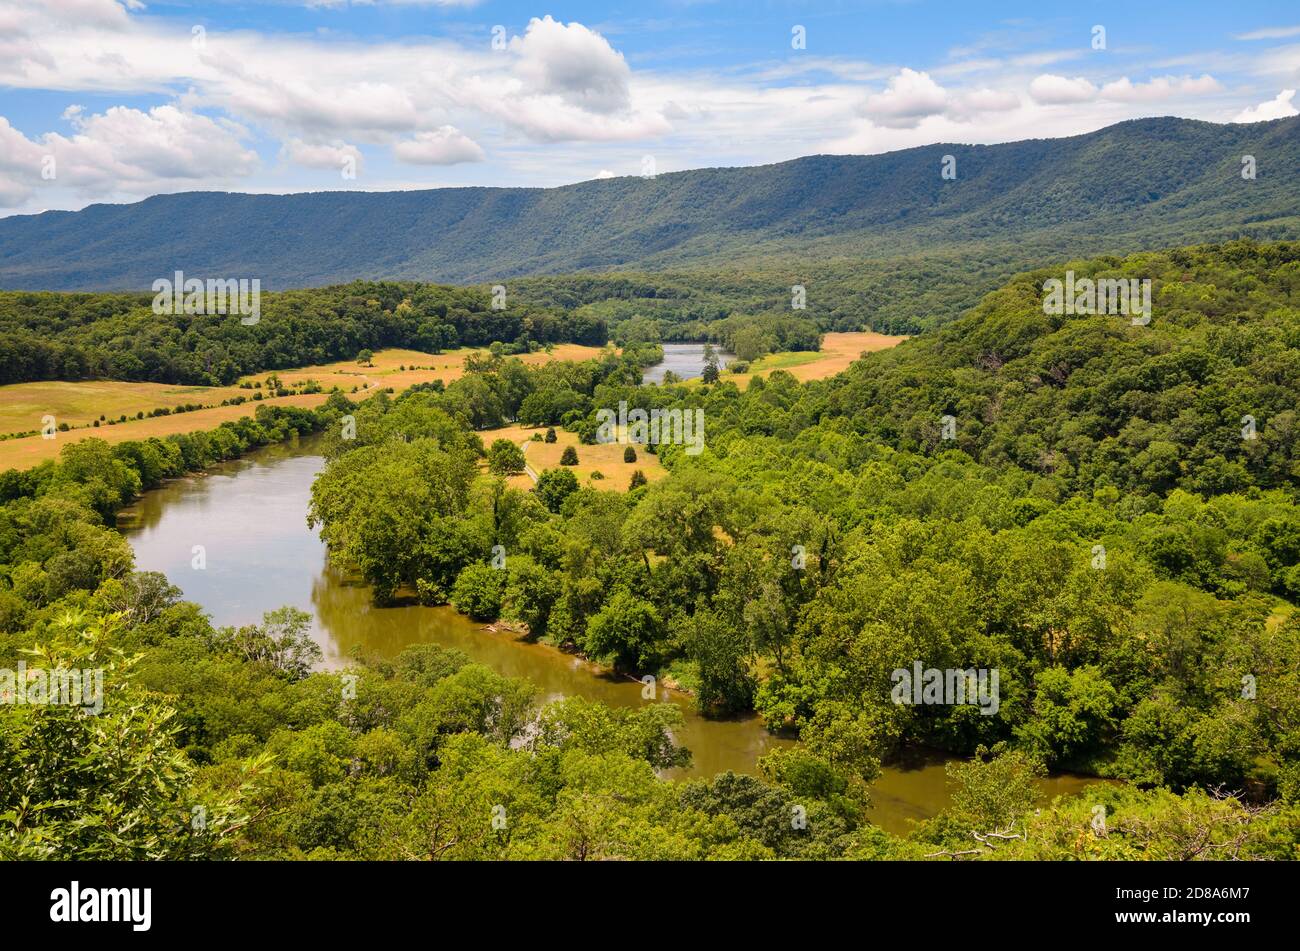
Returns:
(478, 591)
(721, 656)
(627, 633)
(505, 458)
(282, 642)
(107, 785)
(554, 486)
(531, 592)
(995, 788)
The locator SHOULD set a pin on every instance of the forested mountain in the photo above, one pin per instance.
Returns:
(879, 237)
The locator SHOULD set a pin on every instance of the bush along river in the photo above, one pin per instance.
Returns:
(251, 517)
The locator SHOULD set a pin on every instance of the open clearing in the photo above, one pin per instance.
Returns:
(22, 405)
(605, 459)
(33, 450)
(402, 368)
(837, 352)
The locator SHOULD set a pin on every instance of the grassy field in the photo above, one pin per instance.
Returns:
(606, 459)
(402, 368)
(837, 352)
(22, 405)
(32, 450)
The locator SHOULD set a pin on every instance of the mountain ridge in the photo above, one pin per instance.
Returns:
(1183, 175)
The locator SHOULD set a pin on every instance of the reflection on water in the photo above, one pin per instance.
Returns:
(917, 788)
(251, 518)
(684, 359)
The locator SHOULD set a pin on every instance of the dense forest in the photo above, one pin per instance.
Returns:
(52, 336)
(1104, 513)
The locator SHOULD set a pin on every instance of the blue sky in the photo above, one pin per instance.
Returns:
(114, 100)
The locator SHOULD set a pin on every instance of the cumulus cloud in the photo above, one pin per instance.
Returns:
(574, 63)
(428, 101)
(335, 155)
(1052, 90)
(912, 96)
(1163, 87)
(1049, 89)
(1279, 107)
(908, 98)
(446, 145)
(124, 149)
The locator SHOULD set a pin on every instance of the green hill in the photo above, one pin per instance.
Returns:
(882, 236)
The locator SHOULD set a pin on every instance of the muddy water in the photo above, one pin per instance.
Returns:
(250, 516)
(684, 359)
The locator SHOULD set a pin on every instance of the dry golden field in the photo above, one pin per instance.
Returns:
(32, 450)
(402, 368)
(606, 459)
(837, 352)
(22, 405)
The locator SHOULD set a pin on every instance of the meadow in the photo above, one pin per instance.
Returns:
(23, 405)
(837, 352)
(599, 466)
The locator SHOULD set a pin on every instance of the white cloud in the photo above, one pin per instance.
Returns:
(605, 173)
(574, 63)
(558, 101)
(987, 100)
(443, 146)
(1049, 89)
(335, 155)
(123, 149)
(909, 97)
(1270, 33)
(1279, 107)
(1164, 87)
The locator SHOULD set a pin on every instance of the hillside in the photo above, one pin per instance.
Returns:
(1144, 183)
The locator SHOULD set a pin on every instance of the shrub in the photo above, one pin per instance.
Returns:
(477, 591)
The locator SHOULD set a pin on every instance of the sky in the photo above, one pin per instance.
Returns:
(116, 100)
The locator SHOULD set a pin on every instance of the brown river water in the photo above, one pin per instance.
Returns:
(251, 517)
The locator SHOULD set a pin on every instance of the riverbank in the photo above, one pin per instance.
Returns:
(250, 514)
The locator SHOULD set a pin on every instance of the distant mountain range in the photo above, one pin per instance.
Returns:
(1144, 183)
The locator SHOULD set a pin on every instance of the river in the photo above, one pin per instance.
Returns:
(684, 359)
(250, 516)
